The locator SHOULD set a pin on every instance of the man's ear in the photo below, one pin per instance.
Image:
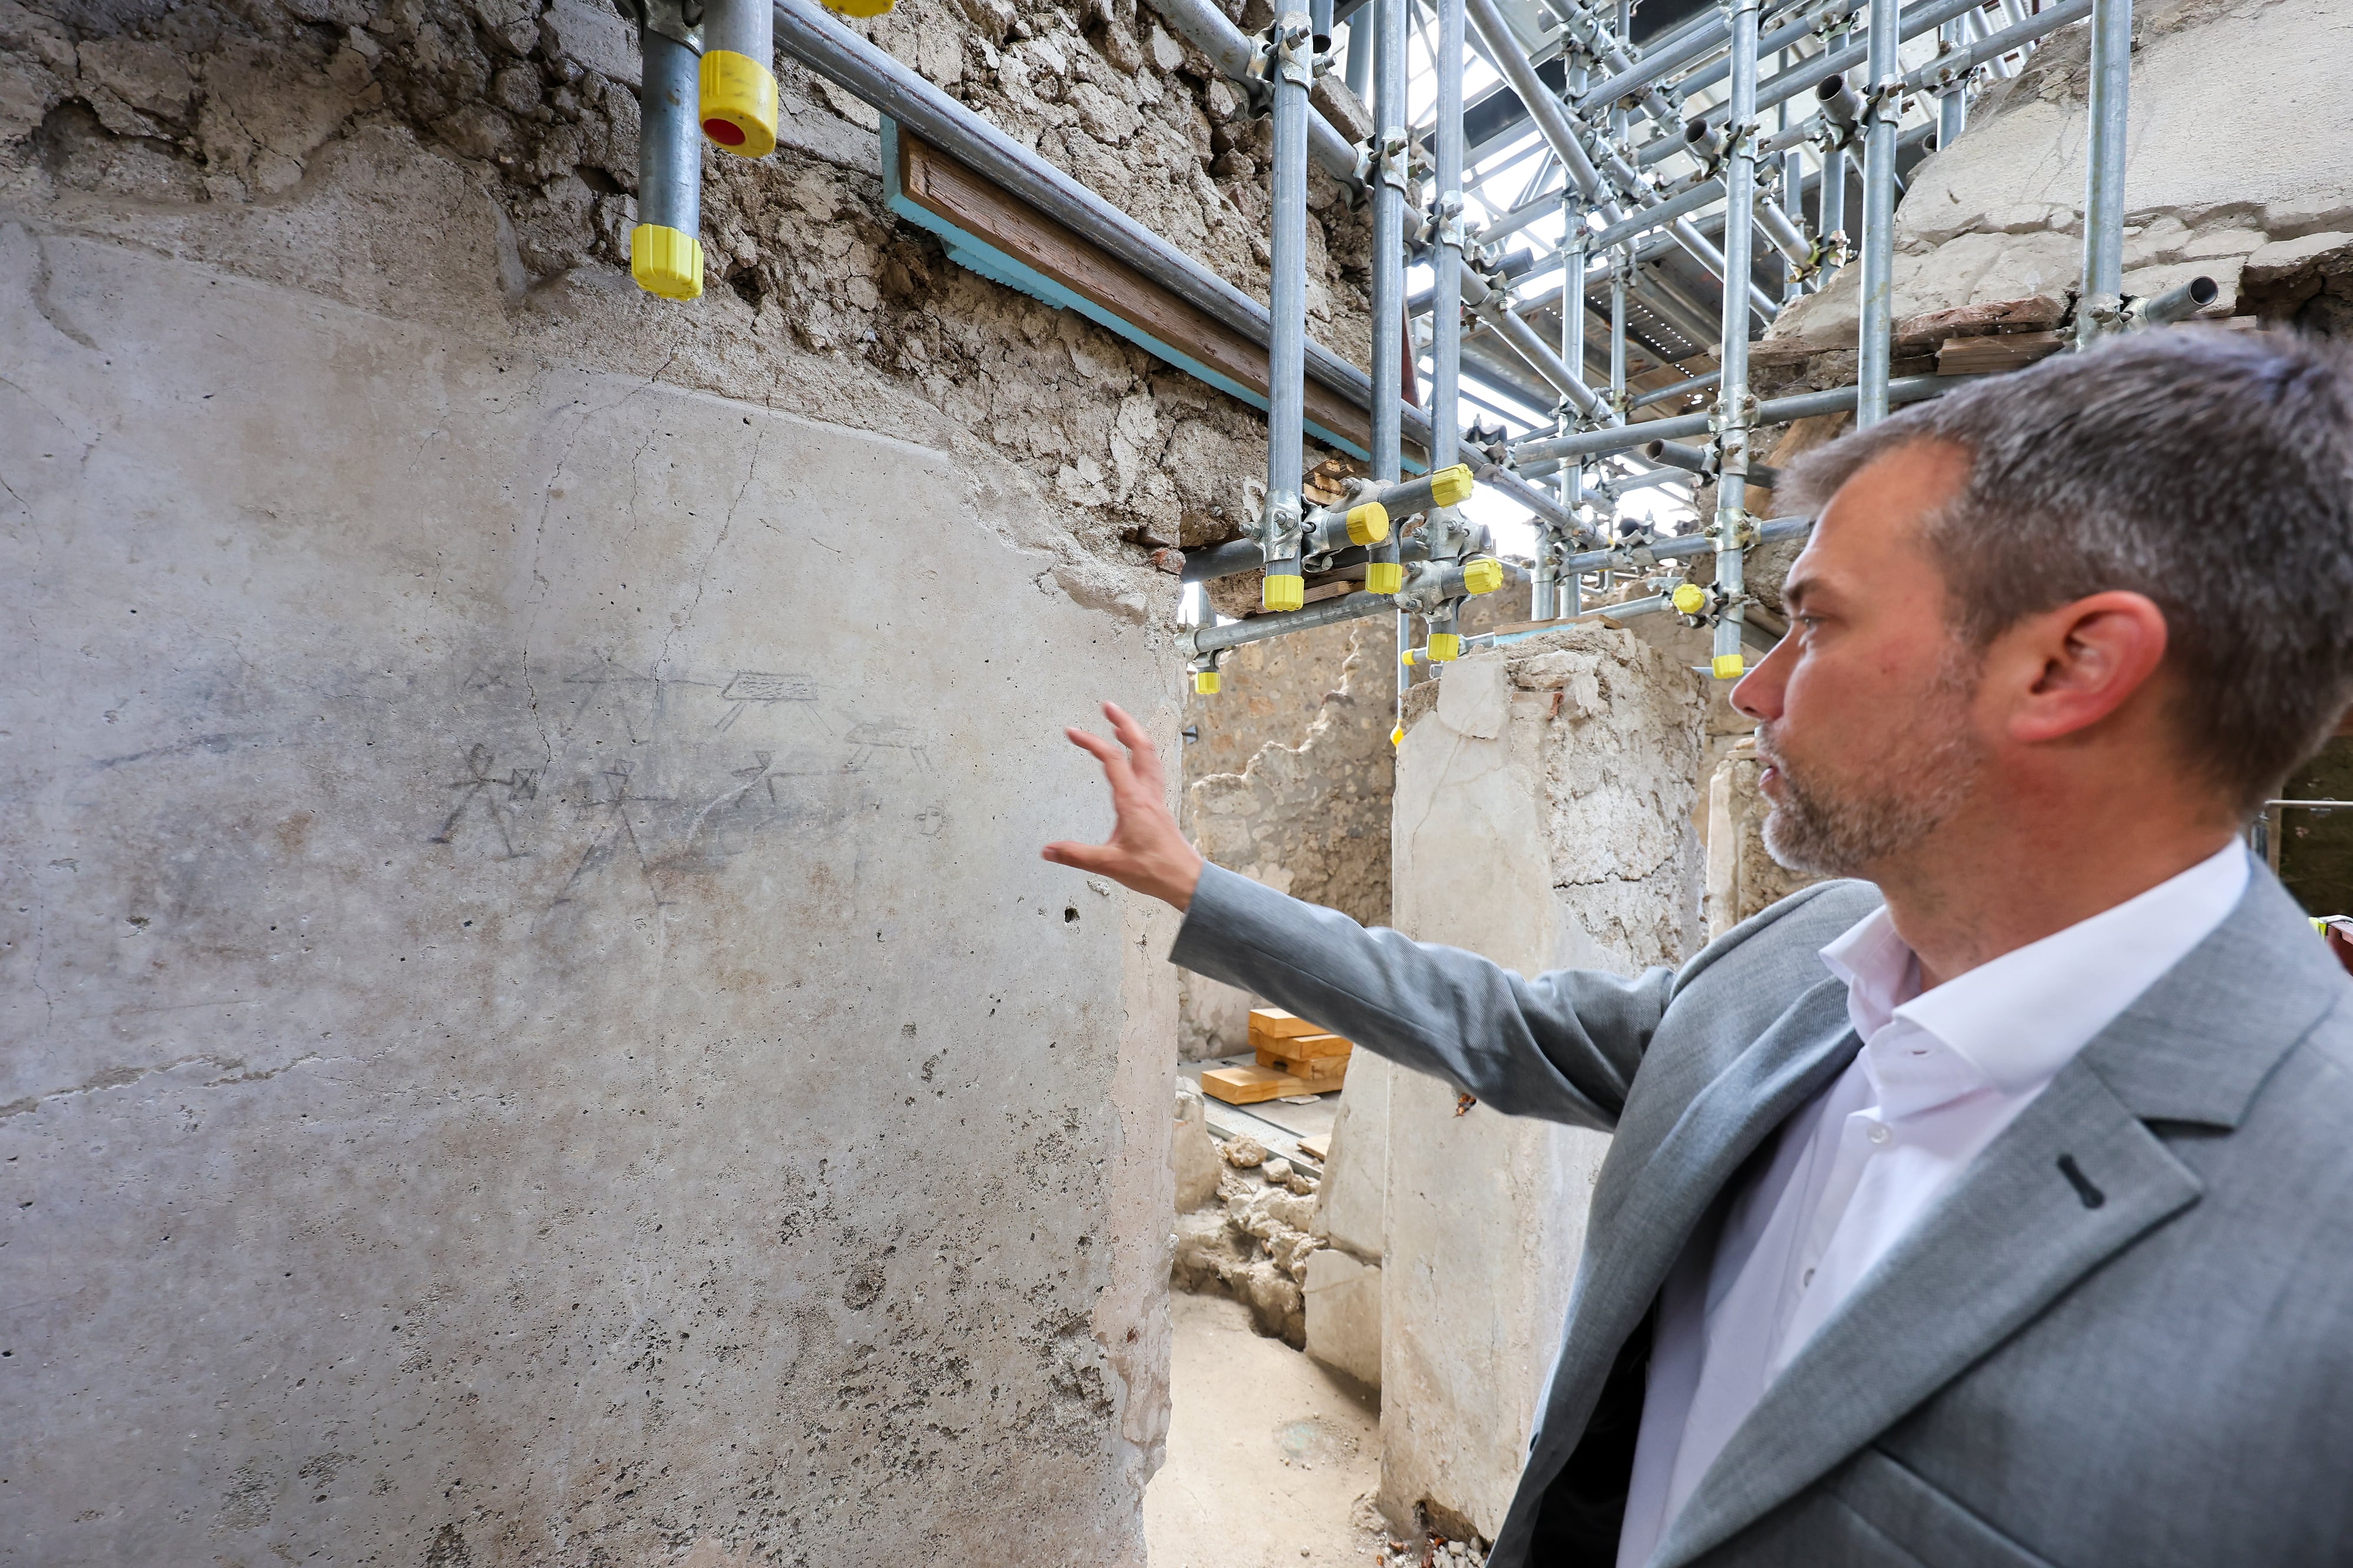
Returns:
(2080, 663)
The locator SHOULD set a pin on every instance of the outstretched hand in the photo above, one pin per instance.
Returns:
(1146, 851)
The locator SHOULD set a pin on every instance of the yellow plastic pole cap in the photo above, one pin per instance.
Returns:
(1450, 487)
(666, 261)
(1284, 593)
(1205, 681)
(739, 103)
(1445, 648)
(1369, 524)
(858, 7)
(1730, 666)
(1385, 577)
(1482, 574)
(1689, 598)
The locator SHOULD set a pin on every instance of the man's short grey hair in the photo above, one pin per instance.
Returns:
(2210, 470)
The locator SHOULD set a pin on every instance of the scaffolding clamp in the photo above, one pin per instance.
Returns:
(679, 21)
(1290, 47)
(1279, 545)
(1886, 99)
(1392, 150)
(1450, 221)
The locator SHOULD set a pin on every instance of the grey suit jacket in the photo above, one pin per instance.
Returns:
(2152, 1366)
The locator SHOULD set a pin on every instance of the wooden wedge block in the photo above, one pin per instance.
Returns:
(1316, 1148)
(1315, 1069)
(1248, 1086)
(1273, 1023)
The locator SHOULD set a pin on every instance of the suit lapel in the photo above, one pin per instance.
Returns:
(2011, 1235)
(1642, 1218)
(2017, 1228)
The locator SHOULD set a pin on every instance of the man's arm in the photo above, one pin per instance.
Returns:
(1563, 1046)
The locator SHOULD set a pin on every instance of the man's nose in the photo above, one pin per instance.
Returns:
(1758, 693)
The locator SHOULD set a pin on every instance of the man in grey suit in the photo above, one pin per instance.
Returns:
(1995, 1206)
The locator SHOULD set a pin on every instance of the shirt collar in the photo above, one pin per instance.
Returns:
(2022, 1016)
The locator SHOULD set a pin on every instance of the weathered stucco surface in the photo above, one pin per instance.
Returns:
(2236, 143)
(540, 1032)
(1544, 818)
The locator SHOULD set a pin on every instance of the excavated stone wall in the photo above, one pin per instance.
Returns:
(1544, 818)
(1289, 783)
(2236, 169)
(541, 1035)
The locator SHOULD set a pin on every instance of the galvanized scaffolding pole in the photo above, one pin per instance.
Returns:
(1383, 574)
(2099, 309)
(1388, 172)
(1291, 72)
(1735, 408)
(1446, 305)
(1883, 100)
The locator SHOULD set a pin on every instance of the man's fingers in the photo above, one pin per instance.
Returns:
(1114, 760)
(1131, 733)
(1143, 755)
(1081, 856)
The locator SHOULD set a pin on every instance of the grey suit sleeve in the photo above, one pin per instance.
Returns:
(1562, 1045)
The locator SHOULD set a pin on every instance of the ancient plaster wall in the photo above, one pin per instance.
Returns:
(540, 1033)
(538, 1038)
(1543, 808)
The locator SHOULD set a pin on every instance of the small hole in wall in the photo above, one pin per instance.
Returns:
(1069, 916)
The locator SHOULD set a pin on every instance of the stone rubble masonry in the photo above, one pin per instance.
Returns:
(1304, 723)
(1253, 1242)
(540, 1033)
(2236, 144)
(1545, 803)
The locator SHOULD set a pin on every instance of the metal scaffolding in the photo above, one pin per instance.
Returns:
(1682, 187)
(1607, 215)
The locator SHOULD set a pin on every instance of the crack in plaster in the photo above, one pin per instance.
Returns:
(111, 1078)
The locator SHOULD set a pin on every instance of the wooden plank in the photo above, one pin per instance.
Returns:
(1248, 1086)
(944, 187)
(1318, 1148)
(1306, 1046)
(1315, 1069)
(1275, 1024)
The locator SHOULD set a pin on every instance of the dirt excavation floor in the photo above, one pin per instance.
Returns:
(1272, 1462)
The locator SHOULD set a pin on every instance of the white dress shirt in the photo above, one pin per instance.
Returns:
(1939, 1076)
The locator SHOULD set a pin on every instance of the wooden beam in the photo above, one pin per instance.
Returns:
(995, 234)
